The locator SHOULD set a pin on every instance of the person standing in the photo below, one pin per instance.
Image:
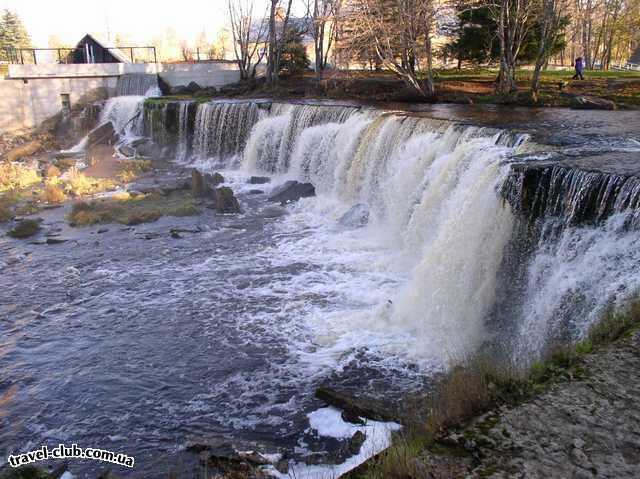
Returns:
(579, 69)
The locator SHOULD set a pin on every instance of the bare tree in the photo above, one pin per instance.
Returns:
(513, 20)
(400, 32)
(248, 37)
(550, 15)
(324, 16)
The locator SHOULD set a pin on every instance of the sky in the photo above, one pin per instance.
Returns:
(139, 20)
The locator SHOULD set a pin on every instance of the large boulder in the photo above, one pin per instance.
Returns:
(101, 135)
(591, 103)
(355, 407)
(225, 201)
(258, 180)
(292, 191)
(204, 185)
(357, 216)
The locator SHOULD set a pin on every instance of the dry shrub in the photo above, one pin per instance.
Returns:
(23, 151)
(53, 194)
(131, 169)
(78, 184)
(16, 176)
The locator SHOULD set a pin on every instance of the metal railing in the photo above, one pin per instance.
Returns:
(34, 56)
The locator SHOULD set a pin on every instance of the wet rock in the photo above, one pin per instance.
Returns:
(146, 149)
(254, 457)
(197, 183)
(350, 416)
(108, 475)
(259, 180)
(356, 442)
(273, 211)
(357, 216)
(292, 191)
(102, 230)
(175, 235)
(225, 201)
(354, 406)
(213, 180)
(127, 151)
(226, 459)
(591, 103)
(193, 87)
(256, 192)
(204, 185)
(25, 229)
(282, 466)
(101, 135)
(56, 241)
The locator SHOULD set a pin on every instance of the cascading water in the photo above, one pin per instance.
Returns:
(427, 240)
(221, 130)
(434, 193)
(136, 84)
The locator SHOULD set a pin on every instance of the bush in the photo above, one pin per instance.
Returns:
(15, 176)
(53, 194)
(25, 229)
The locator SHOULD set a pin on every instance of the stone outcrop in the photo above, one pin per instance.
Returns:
(258, 180)
(357, 216)
(591, 103)
(354, 407)
(225, 201)
(101, 135)
(292, 191)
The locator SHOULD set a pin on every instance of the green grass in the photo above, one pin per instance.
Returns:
(132, 210)
(484, 74)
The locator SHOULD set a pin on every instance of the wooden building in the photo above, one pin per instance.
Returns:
(90, 50)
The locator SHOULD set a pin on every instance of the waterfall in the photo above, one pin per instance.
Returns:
(138, 84)
(484, 250)
(125, 113)
(221, 130)
(182, 149)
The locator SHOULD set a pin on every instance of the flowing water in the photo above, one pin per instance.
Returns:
(140, 345)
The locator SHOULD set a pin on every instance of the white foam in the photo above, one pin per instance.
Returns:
(328, 422)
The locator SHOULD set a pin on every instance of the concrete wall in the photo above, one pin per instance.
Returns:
(26, 103)
(205, 73)
(30, 94)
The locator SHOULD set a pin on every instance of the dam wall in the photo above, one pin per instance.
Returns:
(30, 94)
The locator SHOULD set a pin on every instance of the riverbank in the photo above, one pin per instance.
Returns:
(602, 90)
(574, 415)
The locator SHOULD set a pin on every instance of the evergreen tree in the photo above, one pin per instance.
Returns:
(293, 59)
(13, 34)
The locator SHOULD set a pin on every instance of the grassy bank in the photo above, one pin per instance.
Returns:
(479, 388)
(131, 209)
(469, 85)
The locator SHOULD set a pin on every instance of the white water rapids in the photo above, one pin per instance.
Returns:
(421, 279)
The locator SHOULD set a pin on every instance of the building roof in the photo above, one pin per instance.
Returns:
(115, 52)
